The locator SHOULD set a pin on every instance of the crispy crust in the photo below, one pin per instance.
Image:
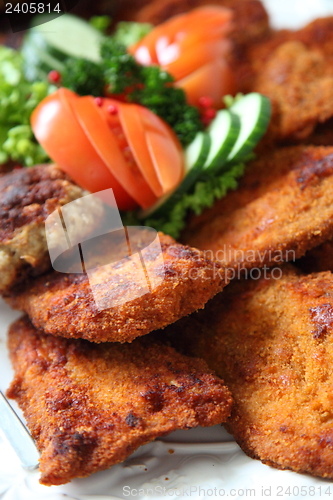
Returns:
(63, 304)
(27, 197)
(299, 83)
(294, 69)
(90, 406)
(271, 341)
(282, 208)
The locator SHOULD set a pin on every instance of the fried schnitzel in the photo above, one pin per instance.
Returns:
(282, 208)
(64, 304)
(90, 406)
(27, 197)
(299, 83)
(295, 70)
(271, 342)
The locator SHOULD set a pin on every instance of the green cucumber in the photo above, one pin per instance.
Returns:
(195, 157)
(223, 132)
(254, 112)
(38, 64)
(48, 45)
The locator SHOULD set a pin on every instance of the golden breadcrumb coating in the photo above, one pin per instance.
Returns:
(282, 208)
(27, 197)
(271, 341)
(90, 406)
(63, 304)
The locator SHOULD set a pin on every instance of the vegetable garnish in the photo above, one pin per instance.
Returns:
(127, 33)
(130, 128)
(192, 47)
(150, 86)
(18, 99)
(112, 145)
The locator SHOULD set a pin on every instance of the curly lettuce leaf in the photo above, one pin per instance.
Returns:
(18, 99)
(204, 195)
(128, 33)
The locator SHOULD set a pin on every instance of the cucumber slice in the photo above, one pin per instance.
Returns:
(50, 44)
(195, 157)
(223, 132)
(38, 62)
(254, 112)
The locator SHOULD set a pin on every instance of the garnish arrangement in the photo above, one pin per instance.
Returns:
(139, 111)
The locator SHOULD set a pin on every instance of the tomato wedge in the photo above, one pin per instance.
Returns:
(104, 143)
(197, 56)
(165, 149)
(92, 120)
(59, 132)
(131, 122)
(185, 45)
(215, 80)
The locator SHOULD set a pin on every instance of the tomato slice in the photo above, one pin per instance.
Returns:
(214, 79)
(130, 119)
(59, 132)
(165, 150)
(169, 29)
(120, 162)
(196, 56)
(187, 30)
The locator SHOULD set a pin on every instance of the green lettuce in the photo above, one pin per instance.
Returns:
(18, 98)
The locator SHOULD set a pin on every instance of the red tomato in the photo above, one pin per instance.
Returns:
(104, 143)
(215, 80)
(197, 56)
(131, 122)
(165, 149)
(59, 132)
(188, 42)
(115, 153)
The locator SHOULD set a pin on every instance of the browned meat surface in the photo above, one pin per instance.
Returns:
(90, 406)
(271, 341)
(63, 304)
(282, 208)
(299, 83)
(294, 69)
(27, 197)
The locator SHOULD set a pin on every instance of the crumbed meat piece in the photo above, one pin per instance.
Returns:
(27, 197)
(299, 83)
(90, 406)
(271, 340)
(64, 304)
(294, 69)
(282, 208)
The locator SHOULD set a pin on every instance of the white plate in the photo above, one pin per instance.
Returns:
(196, 464)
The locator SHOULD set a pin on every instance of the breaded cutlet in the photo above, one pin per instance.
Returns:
(295, 70)
(271, 340)
(282, 208)
(299, 83)
(27, 197)
(90, 406)
(65, 304)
